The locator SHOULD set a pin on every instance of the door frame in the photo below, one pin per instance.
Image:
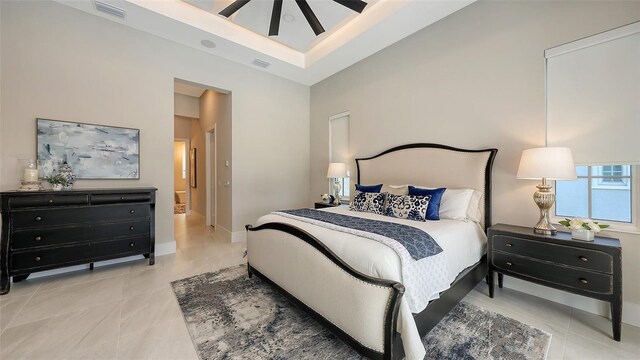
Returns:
(212, 207)
(187, 148)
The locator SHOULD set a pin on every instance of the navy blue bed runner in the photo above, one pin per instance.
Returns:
(418, 243)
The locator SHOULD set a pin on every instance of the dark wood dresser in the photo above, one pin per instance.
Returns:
(588, 268)
(50, 229)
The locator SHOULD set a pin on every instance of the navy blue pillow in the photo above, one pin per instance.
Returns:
(433, 210)
(369, 188)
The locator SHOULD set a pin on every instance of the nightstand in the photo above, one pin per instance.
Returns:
(588, 268)
(321, 205)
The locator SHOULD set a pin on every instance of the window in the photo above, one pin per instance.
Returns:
(339, 151)
(601, 192)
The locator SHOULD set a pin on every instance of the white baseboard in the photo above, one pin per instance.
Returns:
(239, 236)
(165, 248)
(630, 311)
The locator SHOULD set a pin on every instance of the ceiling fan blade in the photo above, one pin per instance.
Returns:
(311, 17)
(355, 5)
(274, 28)
(235, 6)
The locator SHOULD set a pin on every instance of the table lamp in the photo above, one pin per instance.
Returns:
(337, 171)
(547, 163)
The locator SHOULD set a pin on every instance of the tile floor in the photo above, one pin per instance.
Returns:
(128, 311)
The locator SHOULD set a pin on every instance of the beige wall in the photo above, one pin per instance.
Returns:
(187, 106)
(65, 64)
(182, 127)
(179, 184)
(474, 80)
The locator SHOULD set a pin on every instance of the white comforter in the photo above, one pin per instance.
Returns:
(463, 245)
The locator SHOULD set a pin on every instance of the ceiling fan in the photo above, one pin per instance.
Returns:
(274, 27)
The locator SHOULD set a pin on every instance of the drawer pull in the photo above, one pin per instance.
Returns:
(583, 258)
(38, 218)
(132, 211)
(509, 245)
(121, 197)
(131, 244)
(38, 238)
(583, 280)
(509, 263)
(37, 258)
(131, 228)
(51, 201)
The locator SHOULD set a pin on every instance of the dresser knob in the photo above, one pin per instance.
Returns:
(121, 197)
(38, 218)
(509, 245)
(38, 238)
(37, 258)
(130, 244)
(583, 258)
(584, 281)
(50, 201)
(509, 263)
(131, 228)
(132, 211)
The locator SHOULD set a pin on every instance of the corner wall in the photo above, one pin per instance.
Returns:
(473, 80)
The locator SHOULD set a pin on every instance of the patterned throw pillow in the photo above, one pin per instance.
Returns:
(368, 202)
(407, 207)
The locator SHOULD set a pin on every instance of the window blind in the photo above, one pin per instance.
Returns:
(593, 97)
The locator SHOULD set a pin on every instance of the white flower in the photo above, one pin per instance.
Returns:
(576, 224)
(593, 226)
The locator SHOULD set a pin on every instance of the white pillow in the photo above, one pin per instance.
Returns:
(395, 189)
(455, 204)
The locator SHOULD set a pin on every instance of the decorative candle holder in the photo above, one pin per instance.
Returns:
(29, 176)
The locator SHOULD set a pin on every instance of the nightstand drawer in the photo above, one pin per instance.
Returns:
(561, 276)
(565, 255)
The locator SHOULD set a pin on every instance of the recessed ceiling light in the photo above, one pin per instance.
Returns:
(288, 18)
(208, 44)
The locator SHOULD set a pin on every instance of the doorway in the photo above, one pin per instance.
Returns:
(181, 171)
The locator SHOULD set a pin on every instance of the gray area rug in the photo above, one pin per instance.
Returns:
(230, 316)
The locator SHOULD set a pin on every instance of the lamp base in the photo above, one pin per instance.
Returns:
(545, 199)
(336, 190)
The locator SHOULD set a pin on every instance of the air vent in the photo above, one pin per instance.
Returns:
(261, 63)
(110, 9)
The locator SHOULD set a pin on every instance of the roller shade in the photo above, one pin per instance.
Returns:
(593, 97)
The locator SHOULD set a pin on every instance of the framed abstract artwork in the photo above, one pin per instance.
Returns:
(92, 151)
(192, 167)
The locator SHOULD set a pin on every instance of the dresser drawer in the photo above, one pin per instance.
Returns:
(47, 257)
(24, 239)
(101, 199)
(580, 280)
(18, 202)
(57, 217)
(566, 255)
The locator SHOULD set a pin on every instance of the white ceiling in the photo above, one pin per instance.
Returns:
(295, 31)
(187, 89)
(296, 56)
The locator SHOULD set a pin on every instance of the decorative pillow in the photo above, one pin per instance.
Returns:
(369, 188)
(433, 212)
(455, 204)
(368, 202)
(407, 207)
(396, 189)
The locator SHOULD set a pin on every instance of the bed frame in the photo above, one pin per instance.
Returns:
(375, 337)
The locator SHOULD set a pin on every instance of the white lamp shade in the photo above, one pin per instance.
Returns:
(554, 163)
(337, 170)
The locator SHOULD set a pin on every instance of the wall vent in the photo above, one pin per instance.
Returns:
(261, 63)
(110, 9)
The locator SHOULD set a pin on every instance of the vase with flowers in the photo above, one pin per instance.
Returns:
(57, 181)
(583, 229)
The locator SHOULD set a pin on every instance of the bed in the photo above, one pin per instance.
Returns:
(356, 286)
